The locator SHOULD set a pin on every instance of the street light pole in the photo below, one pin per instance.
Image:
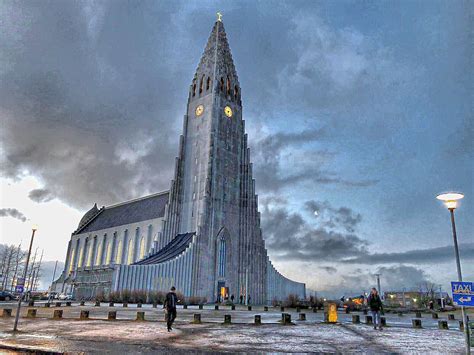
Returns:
(378, 284)
(18, 308)
(450, 199)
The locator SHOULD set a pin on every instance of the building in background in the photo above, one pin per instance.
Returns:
(203, 235)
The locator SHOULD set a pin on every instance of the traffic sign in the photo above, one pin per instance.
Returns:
(463, 293)
(19, 289)
(20, 281)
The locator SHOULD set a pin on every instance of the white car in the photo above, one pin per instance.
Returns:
(65, 297)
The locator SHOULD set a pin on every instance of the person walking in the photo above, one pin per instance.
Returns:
(241, 299)
(232, 298)
(170, 307)
(376, 306)
(248, 299)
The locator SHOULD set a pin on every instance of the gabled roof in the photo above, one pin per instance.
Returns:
(141, 209)
(170, 251)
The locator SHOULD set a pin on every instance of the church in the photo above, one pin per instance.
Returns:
(203, 236)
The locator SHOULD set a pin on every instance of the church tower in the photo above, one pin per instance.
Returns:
(213, 191)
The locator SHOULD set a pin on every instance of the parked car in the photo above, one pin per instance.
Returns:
(6, 296)
(65, 297)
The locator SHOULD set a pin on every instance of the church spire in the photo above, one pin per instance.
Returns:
(216, 71)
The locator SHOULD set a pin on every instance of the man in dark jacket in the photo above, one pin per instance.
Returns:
(170, 307)
(375, 304)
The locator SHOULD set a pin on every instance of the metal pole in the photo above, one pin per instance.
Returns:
(18, 308)
(246, 285)
(54, 272)
(458, 264)
(441, 297)
(378, 284)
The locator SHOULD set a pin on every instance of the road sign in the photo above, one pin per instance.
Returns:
(463, 293)
(20, 281)
(19, 289)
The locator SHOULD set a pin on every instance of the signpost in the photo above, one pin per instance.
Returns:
(463, 293)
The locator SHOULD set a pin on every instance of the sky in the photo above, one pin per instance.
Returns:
(360, 111)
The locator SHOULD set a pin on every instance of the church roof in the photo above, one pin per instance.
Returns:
(141, 209)
(170, 251)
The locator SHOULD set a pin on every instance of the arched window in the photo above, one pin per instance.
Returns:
(108, 258)
(89, 254)
(79, 264)
(201, 84)
(194, 87)
(130, 252)
(236, 92)
(142, 248)
(221, 87)
(118, 259)
(222, 257)
(228, 86)
(98, 257)
(208, 84)
(73, 257)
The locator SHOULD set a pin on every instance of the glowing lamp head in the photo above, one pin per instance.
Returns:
(450, 199)
(34, 227)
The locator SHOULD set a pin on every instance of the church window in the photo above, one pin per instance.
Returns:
(194, 88)
(71, 264)
(201, 84)
(89, 255)
(142, 248)
(221, 87)
(222, 257)
(108, 258)
(130, 252)
(79, 264)
(228, 87)
(98, 258)
(194, 195)
(236, 92)
(208, 84)
(118, 259)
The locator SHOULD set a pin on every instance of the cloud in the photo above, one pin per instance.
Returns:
(40, 195)
(416, 256)
(342, 216)
(12, 212)
(328, 269)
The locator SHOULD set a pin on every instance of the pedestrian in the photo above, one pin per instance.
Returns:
(232, 298)
(376, 306)
(241, 299)
(248, 299)
(170, 307)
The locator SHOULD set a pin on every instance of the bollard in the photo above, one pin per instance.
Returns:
(31, 313)
(265, 309)
(365, 312)
(442, 324)
(258, 319)
(125, 304)
(232, 307)
(68, 304)
(84, 315)
(185, 306)
(302, 316)
(155, 305)
(298, 309)
(461, 326)
(227, 319)
(282, 309)
(451, 317)
(139, 305)
(197, 318)
(97, 303)
(249, 308)
(47, 305)
(417, 314)
(383, 321)
(58, 304)
(416, 323)
(216, 307)
(112, 315)
(434, 315)
(201, 306)
(83, 303)
(368, 320)
(140, 316)
(7, 312)
(31, 303)
(58, 314)
(285, 318)
(355, 319)
(111, 304)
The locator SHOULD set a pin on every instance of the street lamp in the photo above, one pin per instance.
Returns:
(18, 308)
(450, 200)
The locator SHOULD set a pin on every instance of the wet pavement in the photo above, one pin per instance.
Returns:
(128, 336)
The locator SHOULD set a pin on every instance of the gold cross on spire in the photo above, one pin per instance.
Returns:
(219, 17)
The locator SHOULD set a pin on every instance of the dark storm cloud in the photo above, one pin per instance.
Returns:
(342, 216)
(12, 212)
(289, 237)
(416, 256)
(40, 195)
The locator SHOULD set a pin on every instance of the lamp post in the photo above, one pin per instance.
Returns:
(18, 308)
(450, 200)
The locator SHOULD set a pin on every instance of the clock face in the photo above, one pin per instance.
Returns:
(228, 111)
(199, 110)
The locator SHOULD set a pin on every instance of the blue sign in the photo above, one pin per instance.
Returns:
(463, 293)
(19, 289)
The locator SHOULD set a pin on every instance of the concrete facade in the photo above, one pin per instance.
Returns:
(207, 239)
